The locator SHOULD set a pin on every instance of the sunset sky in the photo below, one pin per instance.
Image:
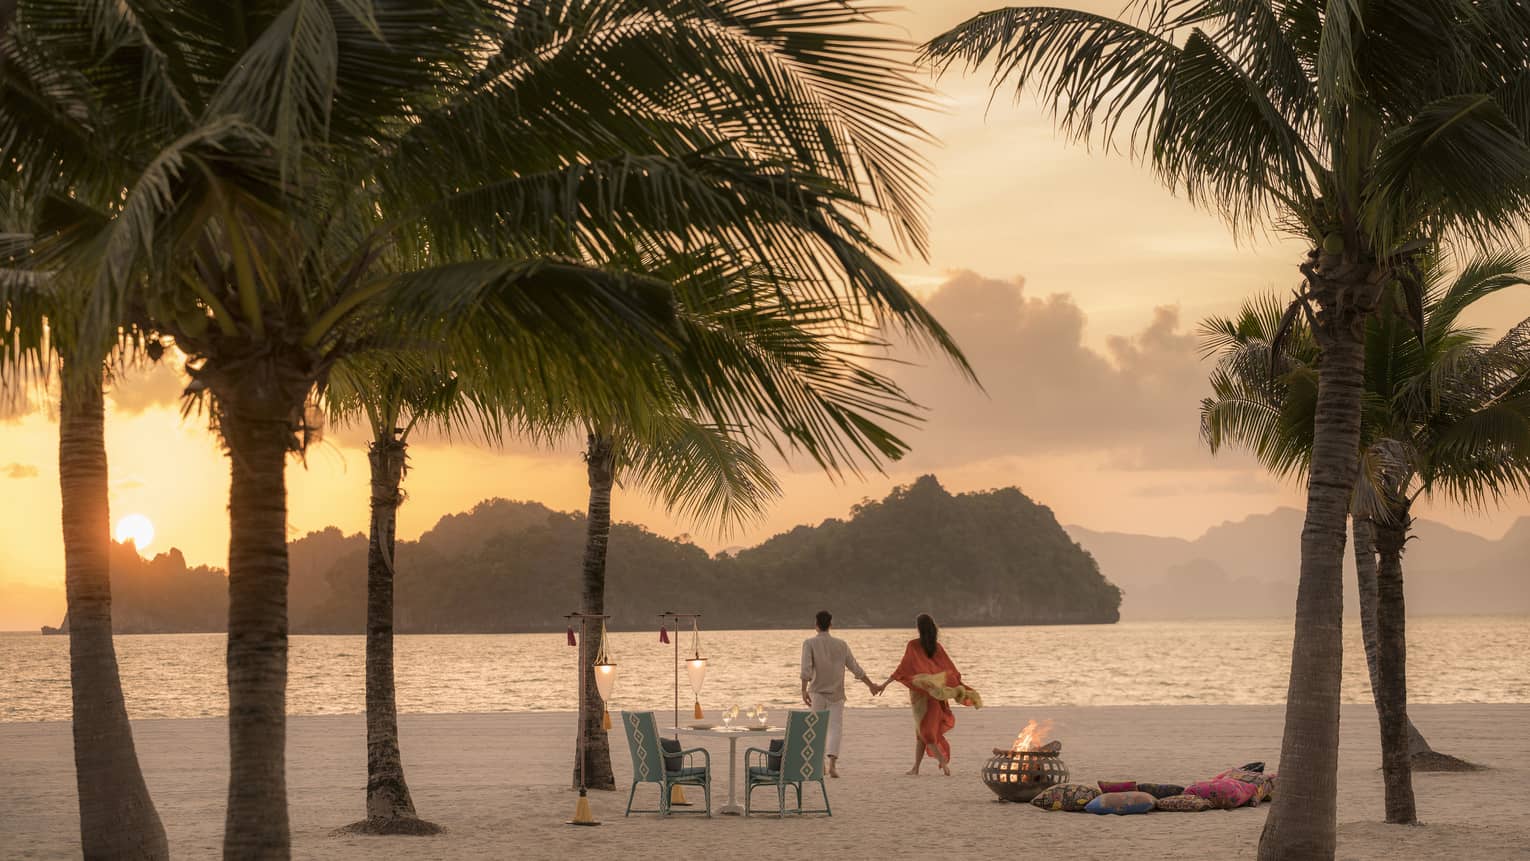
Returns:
(1072, 279)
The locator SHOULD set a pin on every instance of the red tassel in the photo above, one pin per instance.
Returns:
(663, 635)
(571, 640)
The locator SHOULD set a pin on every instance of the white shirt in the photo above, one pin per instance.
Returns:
(824, 661)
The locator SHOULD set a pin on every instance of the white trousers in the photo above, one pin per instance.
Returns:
(836, 721)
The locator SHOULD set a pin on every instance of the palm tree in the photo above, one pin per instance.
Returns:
(1369, 131)
(518, 177)
(450, 387)
(699, 469)
(1448, 415)
(796, 377)
(41, 333)
(392, 401)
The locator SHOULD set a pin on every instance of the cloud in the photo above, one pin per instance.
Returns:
(1048, 392)
(1244, 484)
(18, 470)
(153, 385)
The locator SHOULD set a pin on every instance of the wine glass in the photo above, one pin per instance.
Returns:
(729, 714)
(761, 715)
(750, 713)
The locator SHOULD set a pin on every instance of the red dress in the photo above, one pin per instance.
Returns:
(933, 684)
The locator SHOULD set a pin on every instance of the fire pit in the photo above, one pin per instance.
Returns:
(1024, 770)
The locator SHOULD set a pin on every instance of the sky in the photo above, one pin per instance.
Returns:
(1072, 280)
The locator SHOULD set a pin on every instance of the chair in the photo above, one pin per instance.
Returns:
(649, 765)
(801, 762)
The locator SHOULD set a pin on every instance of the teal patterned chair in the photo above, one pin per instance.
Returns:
(691, 767)
(801, 762)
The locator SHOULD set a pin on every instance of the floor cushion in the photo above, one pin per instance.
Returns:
(1121, 803)
(1265, 782)
(1118, 786)
(1161, 790)
(1182, 804)
(1225, 793)
(1072, 797)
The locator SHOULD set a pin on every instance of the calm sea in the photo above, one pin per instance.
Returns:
(1450, 660)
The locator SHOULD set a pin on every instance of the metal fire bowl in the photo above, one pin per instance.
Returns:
(1020, 776)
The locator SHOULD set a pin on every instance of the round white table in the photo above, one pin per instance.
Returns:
(732, 734)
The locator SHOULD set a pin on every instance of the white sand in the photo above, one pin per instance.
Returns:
(499, 785)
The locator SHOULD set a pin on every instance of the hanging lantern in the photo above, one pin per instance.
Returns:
(696, 666)
(605, 678)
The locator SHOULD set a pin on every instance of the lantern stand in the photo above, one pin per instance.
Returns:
(674, 620)
(582, 814)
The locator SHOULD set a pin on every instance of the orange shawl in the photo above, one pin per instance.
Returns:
(933, 684)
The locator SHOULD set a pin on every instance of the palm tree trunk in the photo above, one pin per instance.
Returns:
(258, 432)
(600, 462)
(1391, 671)
(117, 817)
(1303, 826)
(390, 809)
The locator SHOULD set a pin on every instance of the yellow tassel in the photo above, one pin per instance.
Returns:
(605, 720)
(699, 715)
(677, 796)
(582, 814)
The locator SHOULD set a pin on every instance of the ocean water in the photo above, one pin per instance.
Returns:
(1477, 659)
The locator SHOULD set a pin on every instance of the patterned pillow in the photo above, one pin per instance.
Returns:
(1066, 796)
(1121, 803)
(1265, 782)
(1109, 786)
(1161, 790)
(1226, 793)
(1183, 804)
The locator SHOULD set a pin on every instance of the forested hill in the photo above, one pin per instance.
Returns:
(991, 558)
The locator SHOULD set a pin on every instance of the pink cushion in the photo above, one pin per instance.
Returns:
(1225, 793)
(1264, 782)
(1118, 785)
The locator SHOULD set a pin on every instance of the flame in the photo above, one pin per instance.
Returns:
(1032, 737)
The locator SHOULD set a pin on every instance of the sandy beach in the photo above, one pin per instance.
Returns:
(498, 783)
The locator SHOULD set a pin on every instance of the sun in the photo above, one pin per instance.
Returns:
(136, 528)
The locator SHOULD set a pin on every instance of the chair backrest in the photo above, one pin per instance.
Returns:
(643, 741)
(802, 754)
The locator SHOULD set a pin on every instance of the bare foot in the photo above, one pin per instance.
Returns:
(913, 772)
(945, 769)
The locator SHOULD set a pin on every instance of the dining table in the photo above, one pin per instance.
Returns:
(732, 734)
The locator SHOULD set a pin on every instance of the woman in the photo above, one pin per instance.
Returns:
(933, 684)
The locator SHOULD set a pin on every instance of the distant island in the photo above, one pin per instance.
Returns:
(987, 558)
(1248, 569)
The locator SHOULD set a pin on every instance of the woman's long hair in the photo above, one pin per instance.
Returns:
(927, 633)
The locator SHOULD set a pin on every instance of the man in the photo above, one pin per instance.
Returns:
(824, 661)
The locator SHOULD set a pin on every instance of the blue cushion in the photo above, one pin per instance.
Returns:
(688, 775)
(1121, 803)
(762, 773)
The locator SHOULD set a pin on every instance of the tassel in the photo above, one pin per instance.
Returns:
(663, 635)
(605, 720)
(698, 710)
(571, 640)
(582, 814)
